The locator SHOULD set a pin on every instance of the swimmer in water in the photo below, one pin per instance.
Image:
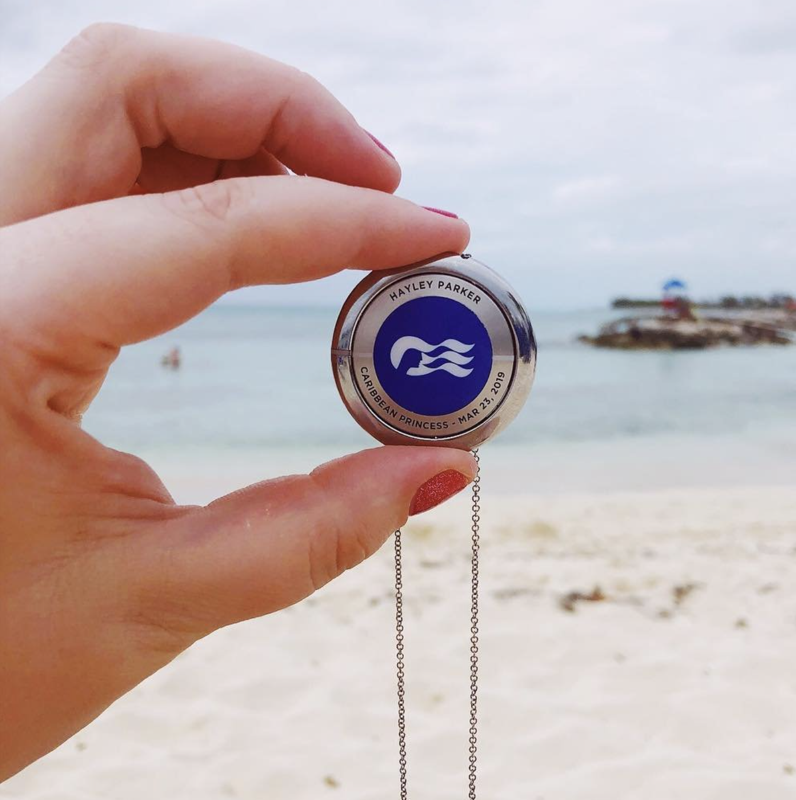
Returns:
(172, 359)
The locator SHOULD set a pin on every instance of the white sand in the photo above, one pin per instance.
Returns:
(633, 697)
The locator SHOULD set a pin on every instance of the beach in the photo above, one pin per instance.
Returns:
(678, 682)
(638, 619)
(620, 578)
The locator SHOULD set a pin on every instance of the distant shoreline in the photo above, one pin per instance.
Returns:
(775, 302)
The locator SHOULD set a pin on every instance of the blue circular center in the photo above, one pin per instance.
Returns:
(432, 356)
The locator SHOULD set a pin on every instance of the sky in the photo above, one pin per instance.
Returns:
(596, 147)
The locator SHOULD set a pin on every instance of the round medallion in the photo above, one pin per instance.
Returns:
(439, 353)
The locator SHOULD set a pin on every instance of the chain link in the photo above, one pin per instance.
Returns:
(399, 659)
(399, 645)
(476, 539)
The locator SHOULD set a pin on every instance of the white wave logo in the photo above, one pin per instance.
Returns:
(450, 357)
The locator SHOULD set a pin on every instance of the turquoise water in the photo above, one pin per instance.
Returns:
(255, 378)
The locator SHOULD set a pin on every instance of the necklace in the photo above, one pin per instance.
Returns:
(440, 353)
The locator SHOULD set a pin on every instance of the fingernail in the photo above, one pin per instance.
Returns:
(437, 490)
(442, 211)
(379, 144)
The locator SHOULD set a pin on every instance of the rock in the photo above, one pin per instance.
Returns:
(569, 601)
(666, 333)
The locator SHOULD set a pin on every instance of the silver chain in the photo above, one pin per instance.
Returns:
(476, 528)
(399, 645)
(399, 659)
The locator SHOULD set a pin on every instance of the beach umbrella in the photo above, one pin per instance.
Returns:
(674, 283)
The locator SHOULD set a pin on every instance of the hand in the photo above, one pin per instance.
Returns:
(106, 163)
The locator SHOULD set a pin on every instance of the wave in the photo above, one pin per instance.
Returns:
(425, 369)
(445, 355)
(448, 356)
(406, 343)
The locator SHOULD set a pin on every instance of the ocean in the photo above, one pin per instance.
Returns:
(256, 382)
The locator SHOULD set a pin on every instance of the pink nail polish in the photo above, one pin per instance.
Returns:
(442, 211)
(379, 144)
(437, 490)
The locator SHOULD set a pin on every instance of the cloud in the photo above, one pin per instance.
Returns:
(588, 191)
(593, 147)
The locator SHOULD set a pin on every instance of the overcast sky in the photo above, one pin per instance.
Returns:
(596, 147)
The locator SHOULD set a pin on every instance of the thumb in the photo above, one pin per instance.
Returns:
(272, 544)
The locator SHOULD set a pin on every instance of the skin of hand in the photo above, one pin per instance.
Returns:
(142, 176)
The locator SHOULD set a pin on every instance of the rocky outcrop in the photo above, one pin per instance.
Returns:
(665, 333)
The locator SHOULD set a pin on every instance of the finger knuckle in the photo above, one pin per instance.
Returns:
(306, 81)
(209, 203)
(295, 84)
(293, 77)
(96, 44)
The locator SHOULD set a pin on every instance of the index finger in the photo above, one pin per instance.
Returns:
(74, 133)
(79, 284)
